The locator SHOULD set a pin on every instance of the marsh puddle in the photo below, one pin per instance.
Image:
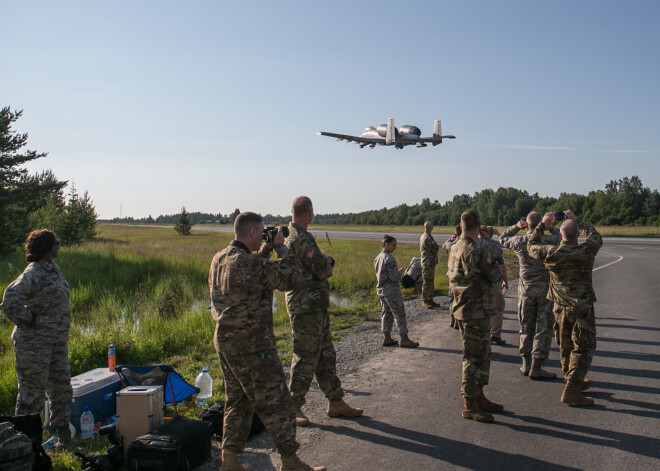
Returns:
(336, 299)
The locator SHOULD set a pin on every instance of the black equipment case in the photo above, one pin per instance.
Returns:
(178, 445)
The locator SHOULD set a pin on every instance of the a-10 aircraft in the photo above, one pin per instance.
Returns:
(388, 135)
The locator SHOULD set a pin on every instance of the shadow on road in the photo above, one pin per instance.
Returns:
(447, 450)
(623, 326)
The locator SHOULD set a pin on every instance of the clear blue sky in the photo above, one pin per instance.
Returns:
(154, 105)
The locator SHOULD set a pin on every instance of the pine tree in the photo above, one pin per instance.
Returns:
(183, 226)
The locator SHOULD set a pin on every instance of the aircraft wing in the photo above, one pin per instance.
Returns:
(346, 137)
(431, 139)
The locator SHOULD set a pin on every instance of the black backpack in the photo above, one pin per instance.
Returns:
(31, 426)
(216, 413)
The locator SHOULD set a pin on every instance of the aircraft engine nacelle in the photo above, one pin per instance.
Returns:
(382, 130)
(407, 129)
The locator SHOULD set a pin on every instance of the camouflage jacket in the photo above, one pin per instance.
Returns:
(37, 302)
(428, 248)
(241, 285)
(312, 294)
(471, 278)
(387, 273)
(570, 265)
(534, 276)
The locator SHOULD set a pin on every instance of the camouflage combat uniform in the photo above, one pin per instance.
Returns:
(446, 247)
(495, 250)
(307, 303)
(534, 308)
(428, 248)
(241, 285)
(571, 289)
(37, 302)
(388, 290)
(471, 278)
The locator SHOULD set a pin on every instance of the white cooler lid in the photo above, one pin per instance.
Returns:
(92, 380)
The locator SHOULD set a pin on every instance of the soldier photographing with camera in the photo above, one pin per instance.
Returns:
(571, 289)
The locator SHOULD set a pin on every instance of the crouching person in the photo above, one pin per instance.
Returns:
(241, 285)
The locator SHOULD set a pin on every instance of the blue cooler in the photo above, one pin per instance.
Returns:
(94, 389)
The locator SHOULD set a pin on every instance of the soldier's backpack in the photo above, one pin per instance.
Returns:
(413, 274)
(215, 415)
(15, 449)
(30, 425)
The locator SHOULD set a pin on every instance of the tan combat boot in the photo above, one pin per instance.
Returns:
(230, 462)
(293, 463)
(407, 343)
(301, 418)
(572, 395)
(66, 442)
(472, 411)
(586, 384)
(427, 305)
(388, 341)
(488, 406)
(538, 373)
(526, 364)
(339, 408)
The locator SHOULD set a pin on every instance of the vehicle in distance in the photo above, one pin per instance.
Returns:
(388, 135)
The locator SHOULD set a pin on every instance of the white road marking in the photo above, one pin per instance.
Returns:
(611, 263)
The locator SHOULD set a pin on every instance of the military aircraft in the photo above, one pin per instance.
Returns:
(388, 135)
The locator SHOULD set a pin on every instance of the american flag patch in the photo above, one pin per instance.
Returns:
(310, 253)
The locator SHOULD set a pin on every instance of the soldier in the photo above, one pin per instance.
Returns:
(307, 303)
(241, 285)
(499, 287)
(471, 277)
(571, 289)
(446, 247)
(37, 302)
(534, 308)
(389, 296)
(428, 249)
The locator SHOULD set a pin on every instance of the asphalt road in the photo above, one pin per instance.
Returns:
(412, 404)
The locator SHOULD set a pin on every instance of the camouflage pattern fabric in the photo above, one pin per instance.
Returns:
(575, 330)
(37, 302)
(388, 278)
(428, 249)
(475, 334)
(471, 278)
(307, 304)
(500, 304)
(446, 247)
(534, 309)
(255, 382)
(241, 286)
(570, 265)
(571, 289)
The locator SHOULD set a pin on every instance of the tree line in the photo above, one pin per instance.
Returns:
(36, 201)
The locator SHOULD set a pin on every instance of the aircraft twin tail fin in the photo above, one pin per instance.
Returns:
(437, 132)
(390, 136)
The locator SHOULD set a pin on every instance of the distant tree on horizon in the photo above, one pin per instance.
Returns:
(183, 226)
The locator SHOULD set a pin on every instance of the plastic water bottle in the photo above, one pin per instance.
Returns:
(50, 443)
(111, 358)
(87, 424)
(205, 384)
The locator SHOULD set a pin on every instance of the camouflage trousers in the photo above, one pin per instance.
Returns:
(392, 308)
(255, 383)
(575, 330)
(43, 367)
(498, 318)
(313, 355)
(428, 283)
(536, 325)
(475, 334)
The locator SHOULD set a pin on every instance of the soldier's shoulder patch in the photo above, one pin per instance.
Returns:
(310, 252)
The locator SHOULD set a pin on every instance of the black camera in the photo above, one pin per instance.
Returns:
(270, 231)
(559, 216)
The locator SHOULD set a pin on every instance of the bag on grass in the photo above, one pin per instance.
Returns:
(15, 449)
(215, 414)
(31, 426)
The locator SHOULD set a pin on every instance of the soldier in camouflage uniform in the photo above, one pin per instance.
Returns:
(307, 303)
(241, 285)
(446, 247)
(428, 248)
(389, 295)
(571, 289)
(499, 287)
(37, 302)
(534, 308)
(471, 277)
